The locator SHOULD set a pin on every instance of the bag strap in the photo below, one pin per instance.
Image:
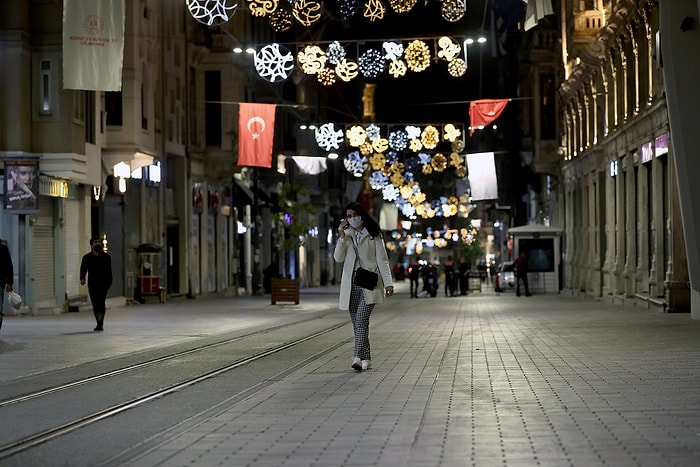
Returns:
(359, 259)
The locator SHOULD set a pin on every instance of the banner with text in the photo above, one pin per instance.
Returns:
(93, 44)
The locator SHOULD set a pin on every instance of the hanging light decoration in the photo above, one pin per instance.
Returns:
(374, 10)
(417, 56)
(312, 59)
(430, 137)
(380, 144)
(260, 8)
(335, 53)
(281, 20)
(458, 145)
(415, 145)
(326, 76)
(373, 132)
(366, 148)
(455, 160)
(397, 68)
(398, 140)
(347, 9)
(439, 162)
(453, 10)
(307, 12)
(402, 6)
(377, 161)
(451, 133)
(371, 63)
(356, 135)
(392, 50)
(274, 63)
(212, 12)
(377, 180)
(449, 49)
(390, 193)
(347, 70)
(328, 138)
(355, 163)
(457, 67)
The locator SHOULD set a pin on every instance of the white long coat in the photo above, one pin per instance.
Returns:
(373, 257)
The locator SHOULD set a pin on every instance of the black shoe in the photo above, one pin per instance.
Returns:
(528, 294)
(517, 294)
(98, 328)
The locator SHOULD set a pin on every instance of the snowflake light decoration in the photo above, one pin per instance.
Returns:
(328, 138)
(211, 12)
(274, 63)
(392, 157)
(377, 180)
(424, 158)
(449, 49)
(373, 131)
(335, 53)
(453, 10)
(398, 140)
(355, 163)
(408, 210)
(457, 67)
(312, 59)
(402, 6)
(417, 56)
(392, 50)
(371, 63)
(390, 193)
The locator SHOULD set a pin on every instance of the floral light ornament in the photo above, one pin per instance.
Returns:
(430, 137)
(312, 59)
(326, 76)
(372, 63)
(373, 132)
(457, 67)
(377, 180)
(274, 63)
(335, 53)
(397, 68)
(260, 8)
(390, 193)
(281, 20)
(380, 144)
(413, 131)
(377, 161)
(453, 10)
(392, 50)
(356, 135)
(211, 12)
(402, 6)
(328, 138)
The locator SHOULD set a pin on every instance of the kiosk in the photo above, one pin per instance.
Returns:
(148, 279)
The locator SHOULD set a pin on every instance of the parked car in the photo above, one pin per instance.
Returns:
(505, 278)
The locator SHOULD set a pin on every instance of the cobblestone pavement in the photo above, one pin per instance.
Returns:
(485, 380)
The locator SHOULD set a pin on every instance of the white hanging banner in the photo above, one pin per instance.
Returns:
(482, 176)
(93, 44)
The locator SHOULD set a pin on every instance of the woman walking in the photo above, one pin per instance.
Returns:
(361, 245)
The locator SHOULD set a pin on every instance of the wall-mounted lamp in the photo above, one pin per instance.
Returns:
(122, 171)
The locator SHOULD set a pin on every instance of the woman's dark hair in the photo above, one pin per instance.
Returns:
(370, 224)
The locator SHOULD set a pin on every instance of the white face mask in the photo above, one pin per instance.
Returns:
(355, 222)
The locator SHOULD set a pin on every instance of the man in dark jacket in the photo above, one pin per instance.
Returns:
(98, 266)
(6, 274)
(521, 268)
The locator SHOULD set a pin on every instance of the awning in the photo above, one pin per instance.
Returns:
(136, 160)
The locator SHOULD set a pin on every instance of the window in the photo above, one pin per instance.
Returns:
(212, 107)
(113, 106)
(45, 88)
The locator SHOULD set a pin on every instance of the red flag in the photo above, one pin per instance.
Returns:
(256, 134)
(484, 111)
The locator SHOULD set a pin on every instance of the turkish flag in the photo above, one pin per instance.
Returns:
(256, 134)
(484, 111)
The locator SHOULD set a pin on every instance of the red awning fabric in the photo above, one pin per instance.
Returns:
(485, 111)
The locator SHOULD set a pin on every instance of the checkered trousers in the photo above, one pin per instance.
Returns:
(359, 314)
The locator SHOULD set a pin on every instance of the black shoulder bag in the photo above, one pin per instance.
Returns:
(364, 278)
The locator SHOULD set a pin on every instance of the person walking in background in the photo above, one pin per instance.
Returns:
(463, 276)
(521, 268)
(449, 267)
(98, 266)
(6, 274)
(361, 244)
(414, 275)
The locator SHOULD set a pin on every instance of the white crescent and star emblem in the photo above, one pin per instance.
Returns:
(260, 121)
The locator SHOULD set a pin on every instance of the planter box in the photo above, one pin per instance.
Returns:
(285, 290)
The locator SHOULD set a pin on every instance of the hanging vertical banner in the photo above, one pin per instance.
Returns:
(93, 44)
(482, 176)
(256, 134)
(22, 185)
